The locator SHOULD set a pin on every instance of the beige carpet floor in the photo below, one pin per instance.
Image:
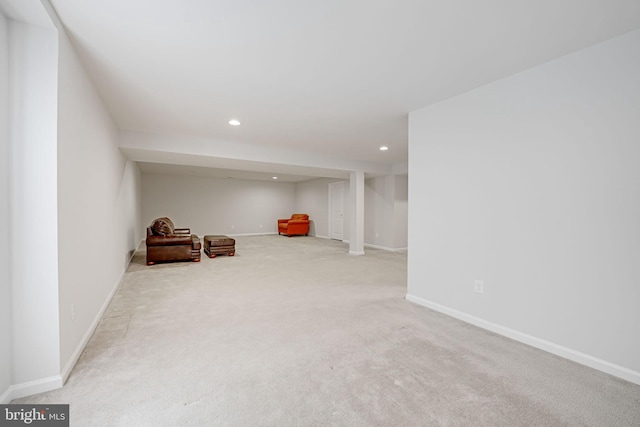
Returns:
(295, 332)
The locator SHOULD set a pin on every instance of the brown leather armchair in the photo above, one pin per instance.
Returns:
(297, 224)
(167, 243)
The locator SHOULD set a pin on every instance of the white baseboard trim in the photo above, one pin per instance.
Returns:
(16, 391)
(71, 363)
(251, 234)
(558, 350)
(369, 245)
(384, 248)
(372, 246)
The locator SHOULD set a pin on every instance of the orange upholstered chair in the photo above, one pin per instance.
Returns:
(297, 224)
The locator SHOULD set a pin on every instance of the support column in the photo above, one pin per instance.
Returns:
(356, 220)
(33, 216)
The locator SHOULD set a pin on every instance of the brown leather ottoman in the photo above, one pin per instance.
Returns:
(219, 245)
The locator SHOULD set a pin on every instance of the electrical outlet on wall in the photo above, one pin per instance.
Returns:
(478, 286)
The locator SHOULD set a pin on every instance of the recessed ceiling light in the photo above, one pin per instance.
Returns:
(274, 177)
(234, 122)
(384, 148)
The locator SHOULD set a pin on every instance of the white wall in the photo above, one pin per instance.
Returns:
(401, 212)
(33, 68)
(5, 284)
(532, 184)
(312, 197)
(65, 175)
(215, 205)
(379, 210)
(99, 213)
(385, 216)
(385, 209)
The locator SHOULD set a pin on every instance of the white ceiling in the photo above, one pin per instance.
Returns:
(332, 77)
